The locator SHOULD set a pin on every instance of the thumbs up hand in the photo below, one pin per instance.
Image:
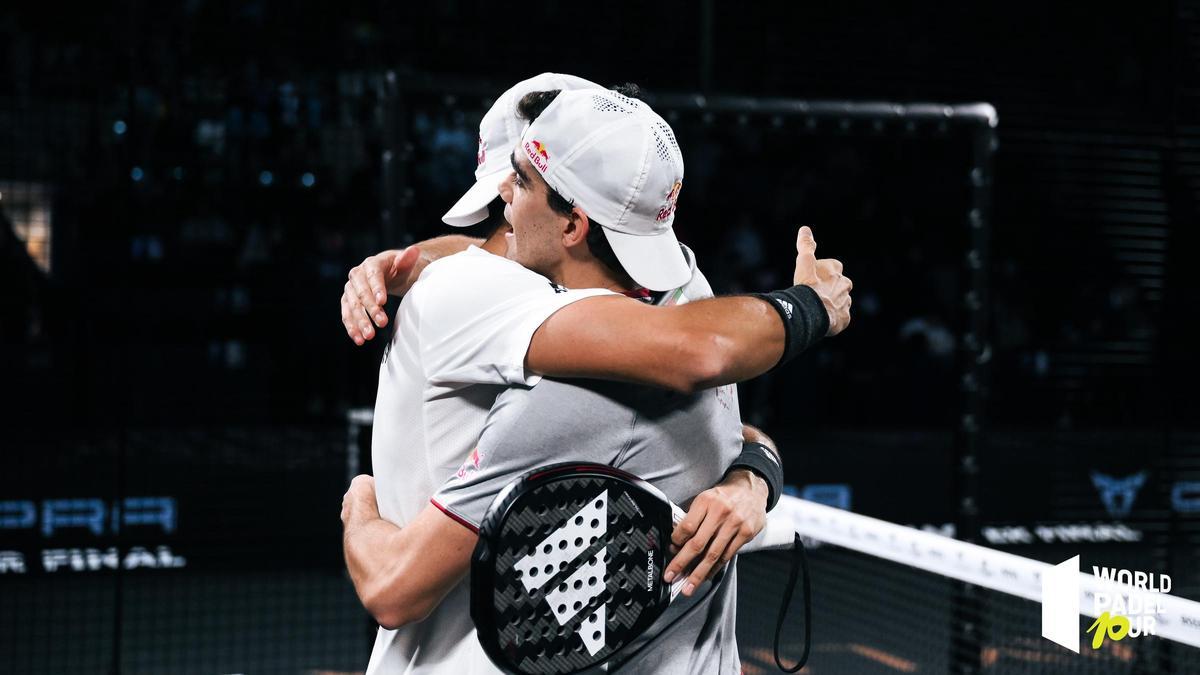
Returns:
(825, 277)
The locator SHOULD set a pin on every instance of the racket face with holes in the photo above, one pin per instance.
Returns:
(568, 568)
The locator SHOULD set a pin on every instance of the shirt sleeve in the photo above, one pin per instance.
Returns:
(553, 422)
(477, 313)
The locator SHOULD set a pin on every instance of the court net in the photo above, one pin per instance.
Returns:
(895, 599)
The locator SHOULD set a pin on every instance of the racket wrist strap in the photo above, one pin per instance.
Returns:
(761, 460)
(799, 564)
(805, 319)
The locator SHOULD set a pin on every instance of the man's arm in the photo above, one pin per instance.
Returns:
(696, 346)
(720, 521)
(686, 348)
(387, 273)
(401, 574)
(700, 344)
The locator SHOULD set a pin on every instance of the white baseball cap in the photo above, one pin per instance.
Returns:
(499, 131)
(616, 159)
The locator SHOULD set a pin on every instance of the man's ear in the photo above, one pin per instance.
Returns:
(576, 230)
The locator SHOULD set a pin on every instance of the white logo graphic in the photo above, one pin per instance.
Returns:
(574, 593)
(770, 455)
(1125, 603)
(1060, 604)
(787, 307)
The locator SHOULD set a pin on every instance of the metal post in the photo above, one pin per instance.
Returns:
(975, 359)
(392, 180)
(356, 419)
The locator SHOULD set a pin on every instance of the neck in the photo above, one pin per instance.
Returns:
(592, 274)
(495, 243)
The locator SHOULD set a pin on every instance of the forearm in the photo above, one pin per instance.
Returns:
(447, 244)
(401, 574)
(752, 434)
(374, 558)
(736, 338)
(432, 249)
(686, 348)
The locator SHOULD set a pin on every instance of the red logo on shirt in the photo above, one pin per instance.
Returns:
(472, 463)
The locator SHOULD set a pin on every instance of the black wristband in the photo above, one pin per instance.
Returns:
(762, 461)
(805, 320)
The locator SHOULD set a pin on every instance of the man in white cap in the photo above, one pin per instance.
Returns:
(400, 587)
(393, 272)
(498, 133)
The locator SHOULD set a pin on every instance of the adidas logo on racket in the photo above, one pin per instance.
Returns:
(583, 537)
(568, 568)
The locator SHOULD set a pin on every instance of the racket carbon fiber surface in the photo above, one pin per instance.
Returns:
(568, 567)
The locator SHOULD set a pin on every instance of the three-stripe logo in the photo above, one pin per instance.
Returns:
(566, 544)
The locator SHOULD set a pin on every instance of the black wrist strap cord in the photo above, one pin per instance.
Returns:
(799, 562)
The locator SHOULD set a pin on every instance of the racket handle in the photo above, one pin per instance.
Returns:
(677, 586)
(677, 514)
(778, 533)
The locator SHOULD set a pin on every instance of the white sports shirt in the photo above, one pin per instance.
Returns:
(459, 339)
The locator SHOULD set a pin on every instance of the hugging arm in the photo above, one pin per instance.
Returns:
(720, 521)
(401, 573)
(686, 348)
(700, 344)
(386, 273)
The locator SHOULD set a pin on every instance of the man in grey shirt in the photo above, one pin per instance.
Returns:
(404, 574)
(680, 444)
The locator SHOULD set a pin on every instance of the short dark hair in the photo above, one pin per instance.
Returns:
(529, 108)
(492, 222)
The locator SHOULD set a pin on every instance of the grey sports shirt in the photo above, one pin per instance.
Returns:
(680, 444)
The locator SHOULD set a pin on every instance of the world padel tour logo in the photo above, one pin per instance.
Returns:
(1126, 604)
(538, 155)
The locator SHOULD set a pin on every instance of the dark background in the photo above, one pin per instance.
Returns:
(183, 187)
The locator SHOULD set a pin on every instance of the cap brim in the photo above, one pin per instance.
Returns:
(653, 261)
(471, 208)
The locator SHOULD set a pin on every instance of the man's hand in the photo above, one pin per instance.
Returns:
(392, 273)
(358, 504)
(825, 277)
(719, 522)
(370, 282)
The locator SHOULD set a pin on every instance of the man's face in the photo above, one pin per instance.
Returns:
(536, 238)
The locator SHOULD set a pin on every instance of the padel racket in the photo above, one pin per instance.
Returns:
(568, 568)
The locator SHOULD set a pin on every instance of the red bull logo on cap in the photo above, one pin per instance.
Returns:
(672, 197)
(538, 155)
